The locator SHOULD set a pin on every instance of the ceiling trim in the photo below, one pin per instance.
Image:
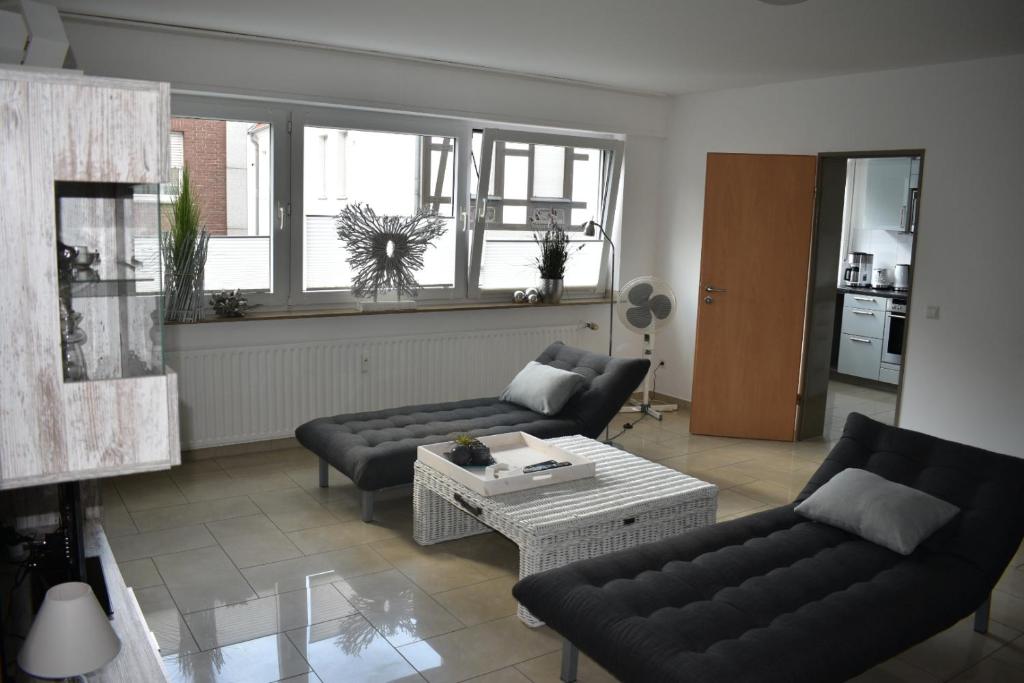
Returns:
(219, 33)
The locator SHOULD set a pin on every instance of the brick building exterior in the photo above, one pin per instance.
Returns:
(205, 156)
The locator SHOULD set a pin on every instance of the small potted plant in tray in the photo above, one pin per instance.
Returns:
(469, 451)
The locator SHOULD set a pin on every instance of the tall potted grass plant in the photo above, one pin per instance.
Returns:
(184, 247)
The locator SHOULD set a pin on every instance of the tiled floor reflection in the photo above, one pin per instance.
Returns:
(248, 572)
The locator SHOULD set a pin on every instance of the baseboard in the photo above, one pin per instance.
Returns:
(290, 442)
(238, 449)
(863, 382)
(658, 397)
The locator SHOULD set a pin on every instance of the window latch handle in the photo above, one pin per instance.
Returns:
(280, 216)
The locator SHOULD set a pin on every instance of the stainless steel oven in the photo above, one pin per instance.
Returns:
(895, 326)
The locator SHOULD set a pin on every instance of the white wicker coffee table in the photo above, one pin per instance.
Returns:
(629, 501)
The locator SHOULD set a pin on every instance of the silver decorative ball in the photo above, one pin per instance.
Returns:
(519, 296)
(533, 298)
(532, 290)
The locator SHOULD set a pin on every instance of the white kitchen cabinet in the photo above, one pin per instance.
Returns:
(886, 184)
(864, 301)
(890, 373)
(860, 344)
(859, 356)
(863, 322)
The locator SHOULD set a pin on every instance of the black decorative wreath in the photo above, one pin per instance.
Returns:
(385, 251)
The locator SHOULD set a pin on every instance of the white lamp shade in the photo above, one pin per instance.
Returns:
(70, 636)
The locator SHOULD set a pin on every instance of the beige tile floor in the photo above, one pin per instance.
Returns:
(247, 571)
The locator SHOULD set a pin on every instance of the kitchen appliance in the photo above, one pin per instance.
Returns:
(858, 269)
(880, 279)
(901, 279)
(892, 337)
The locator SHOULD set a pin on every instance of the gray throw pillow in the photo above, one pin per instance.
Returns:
(892, 515)
(542, 388)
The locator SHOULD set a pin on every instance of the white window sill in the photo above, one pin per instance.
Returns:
(290, 314)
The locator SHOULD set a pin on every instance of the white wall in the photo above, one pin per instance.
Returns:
(205, 61)
(965, 371)
(211, 63)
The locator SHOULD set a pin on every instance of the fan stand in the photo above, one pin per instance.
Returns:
(644, 405)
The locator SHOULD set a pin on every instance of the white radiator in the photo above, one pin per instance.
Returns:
(243, 394)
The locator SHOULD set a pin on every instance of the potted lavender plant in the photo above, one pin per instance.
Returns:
(554, 254)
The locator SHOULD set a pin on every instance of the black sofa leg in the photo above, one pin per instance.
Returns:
(367, 506)
(323, 473)
(570, 661)
(981, 616)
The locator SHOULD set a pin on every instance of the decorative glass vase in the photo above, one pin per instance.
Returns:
(551, 290)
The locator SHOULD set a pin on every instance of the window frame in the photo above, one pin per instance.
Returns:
(231, 109)
(609, 197)
(384, 122)
(288, 117)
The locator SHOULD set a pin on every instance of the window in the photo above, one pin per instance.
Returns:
(394, 174)
(533, 178)
(229, 163)
(396, 165)
(272, 179)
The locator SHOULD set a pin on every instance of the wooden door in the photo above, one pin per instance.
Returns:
(758, 211)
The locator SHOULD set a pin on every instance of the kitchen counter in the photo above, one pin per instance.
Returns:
(871, 291)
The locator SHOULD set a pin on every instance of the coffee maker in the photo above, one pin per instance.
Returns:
(858, 269)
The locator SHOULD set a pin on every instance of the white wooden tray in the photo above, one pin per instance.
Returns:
(517, 450)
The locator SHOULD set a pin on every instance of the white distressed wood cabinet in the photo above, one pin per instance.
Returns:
(80, 158)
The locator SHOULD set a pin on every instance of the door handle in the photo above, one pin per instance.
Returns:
(709, 288)
(859, 312)
(862, 341)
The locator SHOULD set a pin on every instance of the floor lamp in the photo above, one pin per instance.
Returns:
(590, 229)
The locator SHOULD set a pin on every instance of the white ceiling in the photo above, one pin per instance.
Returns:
(662, 46)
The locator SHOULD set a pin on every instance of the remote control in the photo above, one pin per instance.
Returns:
(546, 465)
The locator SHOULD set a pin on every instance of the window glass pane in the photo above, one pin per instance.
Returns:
(441, 163)
(237, 263)
(514, 215)
(438, 173)
(566, 186)
(517, 169)
(177, 162)
(548, 171)
(474, 159)
(392, 173)
(586, 185)
(508, 261)
(231, 169)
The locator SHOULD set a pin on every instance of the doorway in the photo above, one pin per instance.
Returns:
(863, 251)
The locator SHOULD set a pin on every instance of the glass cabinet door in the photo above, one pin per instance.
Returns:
(109, 280)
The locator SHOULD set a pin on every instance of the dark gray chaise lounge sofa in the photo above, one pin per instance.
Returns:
(377, 449)
(776, 597)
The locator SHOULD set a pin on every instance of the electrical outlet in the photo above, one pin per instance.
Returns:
(932, 313)
(364, 364)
